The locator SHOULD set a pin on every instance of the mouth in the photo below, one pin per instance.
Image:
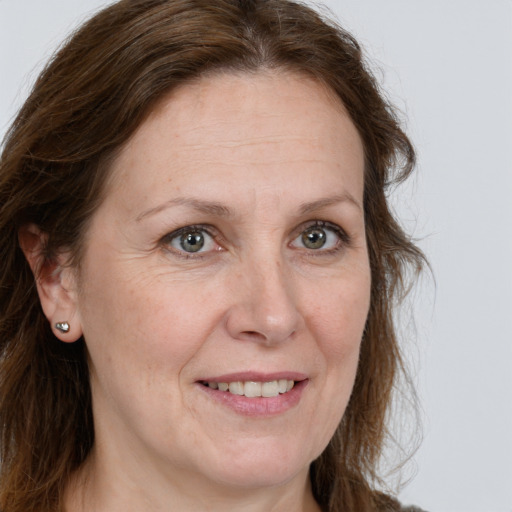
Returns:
(256, 394)
(253, 389)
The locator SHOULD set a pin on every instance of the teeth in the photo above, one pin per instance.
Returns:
(252, 389)
(237, 388)
(269, 389)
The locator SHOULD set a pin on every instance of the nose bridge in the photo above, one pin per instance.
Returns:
(266, 307)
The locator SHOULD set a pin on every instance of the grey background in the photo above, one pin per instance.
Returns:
(447, 64)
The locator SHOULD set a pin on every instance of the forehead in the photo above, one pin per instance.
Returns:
(271, 126)
(235, 105)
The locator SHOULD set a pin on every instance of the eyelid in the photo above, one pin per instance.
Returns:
(215, 235)
(345, 239)
(209, 230)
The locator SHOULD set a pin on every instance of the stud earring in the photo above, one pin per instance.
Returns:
(63, 327)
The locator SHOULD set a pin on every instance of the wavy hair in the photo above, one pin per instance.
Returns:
(91, 97)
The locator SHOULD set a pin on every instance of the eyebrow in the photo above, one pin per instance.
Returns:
(207, 207)
(314, 206)
(219, 210)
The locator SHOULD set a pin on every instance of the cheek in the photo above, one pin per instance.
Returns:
(337, 320)
(141, 336)
(143, 324)
(338, 312)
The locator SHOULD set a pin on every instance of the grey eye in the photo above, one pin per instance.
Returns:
(322, 237)
(314, 237)
(192, 241)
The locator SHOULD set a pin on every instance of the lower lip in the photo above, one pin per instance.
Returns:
(258, 406)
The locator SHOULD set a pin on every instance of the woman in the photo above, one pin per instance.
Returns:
(199, 190)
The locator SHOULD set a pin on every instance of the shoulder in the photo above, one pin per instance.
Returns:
(411, 508)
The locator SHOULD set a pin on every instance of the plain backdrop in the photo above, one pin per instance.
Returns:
(447, 64)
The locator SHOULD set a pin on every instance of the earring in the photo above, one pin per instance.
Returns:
(63, 327)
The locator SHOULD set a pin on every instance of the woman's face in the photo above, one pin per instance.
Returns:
(229, 251)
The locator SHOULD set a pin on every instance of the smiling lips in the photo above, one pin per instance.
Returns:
(256, 394)
(253, 389)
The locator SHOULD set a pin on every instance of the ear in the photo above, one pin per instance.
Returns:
(55, 281)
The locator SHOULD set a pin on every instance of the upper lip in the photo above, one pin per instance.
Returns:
(256, 376)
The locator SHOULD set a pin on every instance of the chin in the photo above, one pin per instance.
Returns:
(255, 467)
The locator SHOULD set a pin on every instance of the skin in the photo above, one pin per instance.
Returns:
(275, 153)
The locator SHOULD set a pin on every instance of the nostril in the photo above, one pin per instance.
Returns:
(253, 334)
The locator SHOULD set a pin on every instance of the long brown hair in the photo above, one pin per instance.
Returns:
(86, 103)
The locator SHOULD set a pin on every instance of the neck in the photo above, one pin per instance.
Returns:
(96, 487)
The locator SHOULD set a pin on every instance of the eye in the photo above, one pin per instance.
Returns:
(314, 238)
(321, 235)
(191, 240)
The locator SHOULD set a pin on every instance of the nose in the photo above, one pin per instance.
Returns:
(264, 307)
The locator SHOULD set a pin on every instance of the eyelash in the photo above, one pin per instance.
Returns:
(200, 228)
(344, 238)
